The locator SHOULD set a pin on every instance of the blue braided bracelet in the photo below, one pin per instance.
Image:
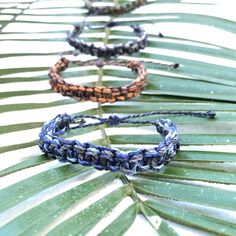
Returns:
(106, 158)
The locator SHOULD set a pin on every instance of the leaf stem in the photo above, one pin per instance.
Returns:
(99, 83)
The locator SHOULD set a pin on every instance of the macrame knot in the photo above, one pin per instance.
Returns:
(113, 120)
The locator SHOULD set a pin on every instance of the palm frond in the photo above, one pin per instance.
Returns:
(194, 193)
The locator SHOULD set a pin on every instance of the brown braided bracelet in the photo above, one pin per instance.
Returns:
(128, 7)
(99, 94)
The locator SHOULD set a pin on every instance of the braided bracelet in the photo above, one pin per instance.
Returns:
(107, 10)
(99, 94)
(106, 158)
(106, 51)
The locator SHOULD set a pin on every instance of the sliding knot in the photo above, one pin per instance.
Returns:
(113, 120)
(99, 63)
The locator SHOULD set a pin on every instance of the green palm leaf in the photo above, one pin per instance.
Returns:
(194, 194)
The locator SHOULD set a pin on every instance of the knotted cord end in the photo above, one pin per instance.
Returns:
(211, 114)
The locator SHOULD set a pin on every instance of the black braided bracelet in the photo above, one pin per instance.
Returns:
(114, 10)
(107, 51)
(106, 158)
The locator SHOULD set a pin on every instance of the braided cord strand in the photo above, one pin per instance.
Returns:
(116, 10)
(106, 158)
(99, 94)
(108, 51)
